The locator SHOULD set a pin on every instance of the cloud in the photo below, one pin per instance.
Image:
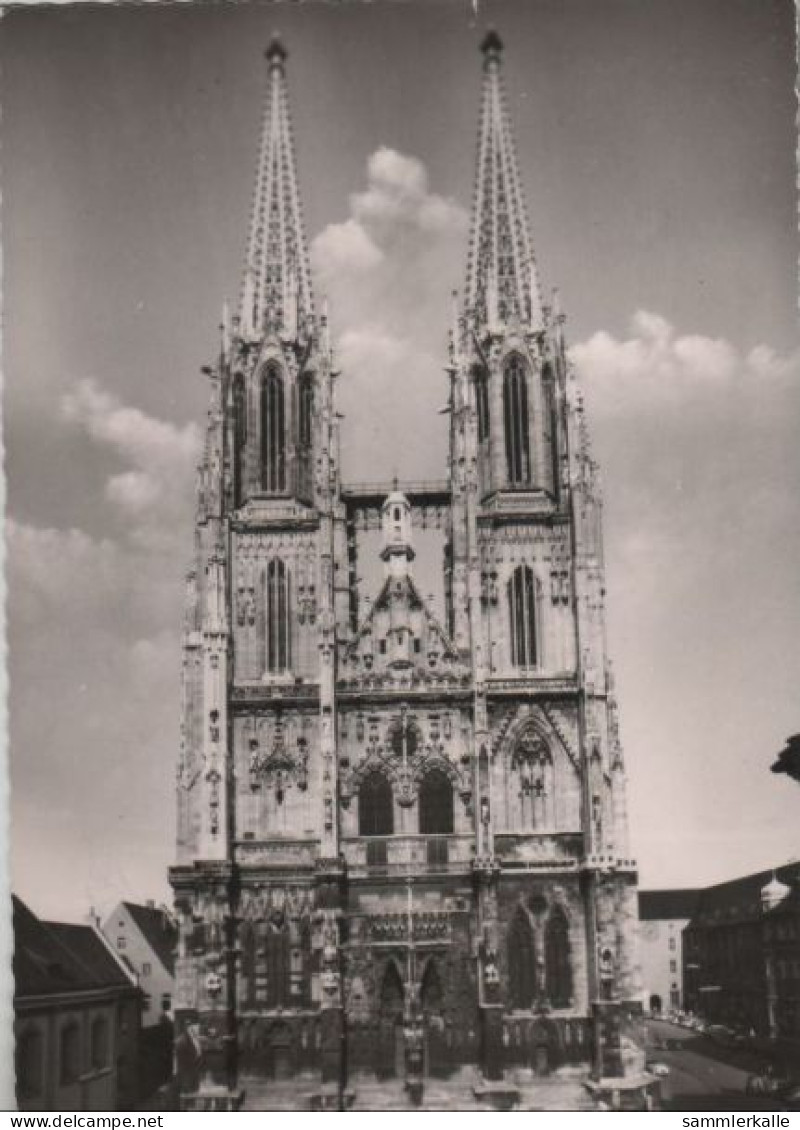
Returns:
(345, 247)
(394, 211)
(155, 489)
(389, 268)
(697, 443)
(94, 659)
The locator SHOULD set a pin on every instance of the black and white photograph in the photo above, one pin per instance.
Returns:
(401, 543)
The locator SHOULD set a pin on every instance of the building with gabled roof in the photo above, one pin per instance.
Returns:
(77, 1018)
(144, 937)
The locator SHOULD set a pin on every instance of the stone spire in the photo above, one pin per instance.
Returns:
(502, 281)
(277, 278)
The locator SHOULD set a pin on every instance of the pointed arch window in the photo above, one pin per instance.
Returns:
(277, 607)
(375, 806)
(550, 425)
(279, 970)
(249, 963)
(273, 431)
(431, 995)
(522, 617)
(515, 418)
(558, 966)
(306, 422)
(481, 380)
(239, 436)
(521, 962)
(436, 804)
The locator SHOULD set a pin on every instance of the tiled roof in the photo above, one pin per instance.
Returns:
(739, 900)
(53, 957)
(666, 904)
(159, 932)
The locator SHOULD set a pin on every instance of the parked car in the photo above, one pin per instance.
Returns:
(655, 1067)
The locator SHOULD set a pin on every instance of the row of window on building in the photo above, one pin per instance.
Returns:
(273, 417)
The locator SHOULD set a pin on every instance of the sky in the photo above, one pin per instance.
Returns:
(657, 148)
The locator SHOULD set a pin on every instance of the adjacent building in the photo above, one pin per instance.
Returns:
(76, 1018)
(402, 837)
(662, 918)
(144, 937)
(742, 955)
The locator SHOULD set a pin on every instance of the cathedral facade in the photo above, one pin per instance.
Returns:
(402, 838)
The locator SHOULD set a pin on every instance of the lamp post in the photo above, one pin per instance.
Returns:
(412, 1019)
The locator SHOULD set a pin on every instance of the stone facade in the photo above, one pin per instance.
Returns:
(402, 843)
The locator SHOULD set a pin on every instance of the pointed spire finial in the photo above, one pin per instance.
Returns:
(501, 276)
(276, 53)
(277, 255)
(492, 48)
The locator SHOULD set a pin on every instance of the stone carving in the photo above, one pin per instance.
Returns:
(279, 764)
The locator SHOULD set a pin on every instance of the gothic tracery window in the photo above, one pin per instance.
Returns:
(279, 969)
(515, 418)
(557, 960)
(550, 425)
(522, 617)
(278, 626)
(375, 806)
(436, 804)
(521, 962)
(273, 436)
(306, 421)
(481, 401)
(239, 436)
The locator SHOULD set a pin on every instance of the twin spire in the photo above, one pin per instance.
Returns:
(502, 283)
(277, 277)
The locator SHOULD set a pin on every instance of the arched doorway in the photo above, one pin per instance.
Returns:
(280, 1052)
(655, 1004)
(389, 1050)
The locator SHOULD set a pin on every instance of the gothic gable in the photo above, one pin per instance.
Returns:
(401, 641)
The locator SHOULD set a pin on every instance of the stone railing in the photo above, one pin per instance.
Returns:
(401, 855)
(539, 849)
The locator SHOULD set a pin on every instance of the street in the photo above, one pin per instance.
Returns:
(702, 1075)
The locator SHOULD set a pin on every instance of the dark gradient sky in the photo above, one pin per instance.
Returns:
(657, 146)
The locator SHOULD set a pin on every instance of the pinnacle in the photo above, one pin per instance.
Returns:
(502, 282)
(275, 53)
(492, 46)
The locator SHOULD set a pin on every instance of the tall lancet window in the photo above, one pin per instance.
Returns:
(515, 417)
(278, 614)
(481, 401)
(375, 806)
(306, 410)
(521, 962)
(522, 617)
(550, 426)
(273, 433)
(239, 436)
(557, 962)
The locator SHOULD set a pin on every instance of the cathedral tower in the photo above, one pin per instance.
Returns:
(402, 843)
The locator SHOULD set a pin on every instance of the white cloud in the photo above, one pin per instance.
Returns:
(345, 247)
(153, 494)
(396, 209)
(697, 442)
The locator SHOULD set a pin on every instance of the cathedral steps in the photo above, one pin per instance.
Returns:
(457, 1094)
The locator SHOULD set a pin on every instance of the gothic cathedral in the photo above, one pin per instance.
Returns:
(402, 844)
